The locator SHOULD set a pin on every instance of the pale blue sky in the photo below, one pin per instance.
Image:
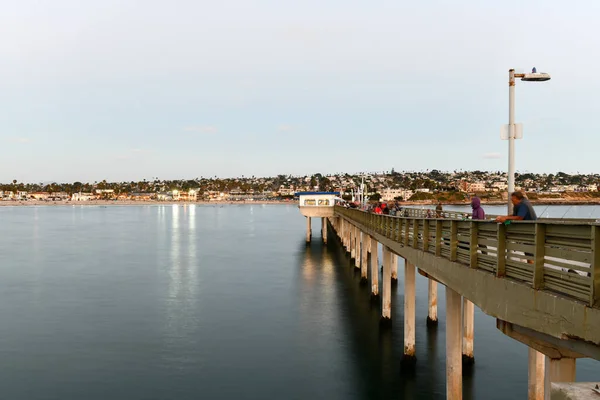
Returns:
(124, 90)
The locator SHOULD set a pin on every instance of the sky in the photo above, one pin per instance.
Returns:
(128, 90)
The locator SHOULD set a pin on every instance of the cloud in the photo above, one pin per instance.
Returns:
(492, 156)
(19, 140)
(285, 128)
(207, 129)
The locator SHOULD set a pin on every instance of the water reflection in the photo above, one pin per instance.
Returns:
(181, 305)
(376, 352)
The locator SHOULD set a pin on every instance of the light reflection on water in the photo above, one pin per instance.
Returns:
(187, 302)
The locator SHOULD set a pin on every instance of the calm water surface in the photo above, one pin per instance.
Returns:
(189, 302)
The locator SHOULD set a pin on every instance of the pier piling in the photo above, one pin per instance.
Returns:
(373, 248)
(468, 332)
(453, 345)
(409, 312)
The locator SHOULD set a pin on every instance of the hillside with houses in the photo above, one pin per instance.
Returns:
(421, 186)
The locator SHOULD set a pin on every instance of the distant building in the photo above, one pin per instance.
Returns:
(391, 194)
(82, 196)
(39, 195)
(477, 187)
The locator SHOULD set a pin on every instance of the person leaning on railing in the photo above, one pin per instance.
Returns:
(523, 211)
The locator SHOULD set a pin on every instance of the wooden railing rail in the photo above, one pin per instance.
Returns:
(559, 256)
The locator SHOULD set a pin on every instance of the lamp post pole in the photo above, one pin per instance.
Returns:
(511, 137)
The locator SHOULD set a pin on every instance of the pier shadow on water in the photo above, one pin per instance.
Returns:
(376, 351)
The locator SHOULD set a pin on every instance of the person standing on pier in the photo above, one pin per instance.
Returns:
(478, 212)
(438, 210)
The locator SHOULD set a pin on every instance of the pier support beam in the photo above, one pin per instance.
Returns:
(346, 232)
(308, 230)
(468, 333)
(357, 246)
(535, 379)
(351, 237)
(432, 317)
(395, 267)
(453, 345)
(386, 287)
(409, 312)
(364, 251)
(373, 249)
(558, 370)
(324, 229)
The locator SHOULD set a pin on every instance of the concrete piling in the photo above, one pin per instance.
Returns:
(308, 230)
(386, 287)
(558, 370)
(324, 229)
(432, 317)
(409, 313)
(453, 345)
(468, 332)
(535, 381)
(374, 267)
(364, 251)
(357, 247)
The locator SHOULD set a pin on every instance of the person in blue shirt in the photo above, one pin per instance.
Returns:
(523, 210)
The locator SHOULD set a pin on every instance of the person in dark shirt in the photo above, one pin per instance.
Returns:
(523, 210)
(438, 210)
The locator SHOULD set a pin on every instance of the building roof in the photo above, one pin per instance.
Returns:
(313, 193)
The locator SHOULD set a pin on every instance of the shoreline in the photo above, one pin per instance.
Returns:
(37, 203)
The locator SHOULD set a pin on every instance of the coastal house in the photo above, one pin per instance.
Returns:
(82, 196)
(190, 195)
(142, 196)
(163, 196)
(39, 195)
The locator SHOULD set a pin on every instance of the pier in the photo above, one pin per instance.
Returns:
(540, 280)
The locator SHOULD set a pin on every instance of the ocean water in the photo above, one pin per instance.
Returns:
(214, 302)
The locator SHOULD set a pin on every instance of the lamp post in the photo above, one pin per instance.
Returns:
(532, 77)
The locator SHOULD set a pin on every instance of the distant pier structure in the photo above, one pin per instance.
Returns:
(319, 205)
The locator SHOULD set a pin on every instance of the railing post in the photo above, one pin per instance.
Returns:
(400, 226)
(406, 232)
(453, 240)
(538, 256)
(473, 243)
(415, 243)
(438, 238)
(501, 251)
(425, 235)
(595, 267)
(397, 231)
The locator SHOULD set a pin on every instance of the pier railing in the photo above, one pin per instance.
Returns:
(557, 256)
